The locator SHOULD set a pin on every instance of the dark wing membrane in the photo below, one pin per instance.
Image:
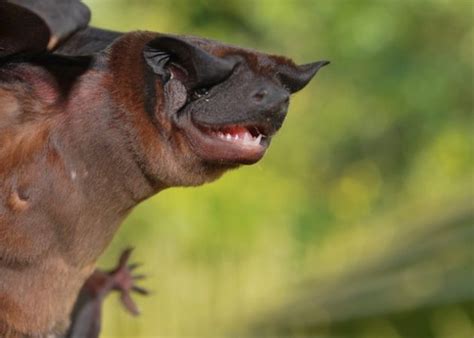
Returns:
(87, 41)
(33, 26)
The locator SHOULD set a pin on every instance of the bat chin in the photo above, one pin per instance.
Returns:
(228, 144)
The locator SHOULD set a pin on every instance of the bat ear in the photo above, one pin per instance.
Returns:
(203, 68)
(31, 26)
(295, 78)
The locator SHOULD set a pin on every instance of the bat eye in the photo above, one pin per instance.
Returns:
(200, 92)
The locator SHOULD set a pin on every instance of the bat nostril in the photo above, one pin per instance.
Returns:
(260, 95)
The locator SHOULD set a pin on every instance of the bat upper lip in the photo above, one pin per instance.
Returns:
(231, 143)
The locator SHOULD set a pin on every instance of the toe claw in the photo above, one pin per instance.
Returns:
(129, 303)
(134, 266)
(124, 257)
(139, 277)
(140, 290)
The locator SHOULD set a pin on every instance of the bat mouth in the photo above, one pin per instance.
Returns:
(233, 143)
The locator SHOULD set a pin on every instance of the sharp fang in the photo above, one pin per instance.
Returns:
(258, 139)
(228, 137)
(247, 137)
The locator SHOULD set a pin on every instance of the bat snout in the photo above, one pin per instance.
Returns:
(269, 97)
(271, 104)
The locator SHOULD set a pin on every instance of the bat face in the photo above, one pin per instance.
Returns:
(222, 104)
(232, 121)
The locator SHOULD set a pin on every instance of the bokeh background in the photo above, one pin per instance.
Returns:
(359, 221)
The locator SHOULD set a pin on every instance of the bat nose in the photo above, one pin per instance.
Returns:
(271, 104)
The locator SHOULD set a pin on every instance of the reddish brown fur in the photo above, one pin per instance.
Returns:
(61, 199)
(78, 151)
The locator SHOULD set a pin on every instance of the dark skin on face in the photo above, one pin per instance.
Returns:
(93, 122)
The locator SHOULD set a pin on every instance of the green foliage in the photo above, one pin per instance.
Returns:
(384, 131)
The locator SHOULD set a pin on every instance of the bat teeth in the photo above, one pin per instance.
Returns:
(242, 137)
(247, 137)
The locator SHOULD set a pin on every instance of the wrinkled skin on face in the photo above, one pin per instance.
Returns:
(84, 139)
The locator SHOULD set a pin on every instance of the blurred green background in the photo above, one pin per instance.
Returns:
(358, 222)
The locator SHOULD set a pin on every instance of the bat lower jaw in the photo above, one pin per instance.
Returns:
(227, 144)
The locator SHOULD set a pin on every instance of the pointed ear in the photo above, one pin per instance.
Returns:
(32, 26)
(203, 68)
(296, 77)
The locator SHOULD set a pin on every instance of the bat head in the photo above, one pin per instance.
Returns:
(235, 99)
(208, 106)
(222, 104)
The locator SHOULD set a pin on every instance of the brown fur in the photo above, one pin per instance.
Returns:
(61, 199)
(78, 150)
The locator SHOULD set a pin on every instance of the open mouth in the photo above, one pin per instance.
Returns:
(238, 135)
(233, 143)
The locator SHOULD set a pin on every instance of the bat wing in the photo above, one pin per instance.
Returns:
(87, 41)
(33, 26)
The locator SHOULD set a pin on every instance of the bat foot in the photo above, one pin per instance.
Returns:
(119, 279)
(124, 281)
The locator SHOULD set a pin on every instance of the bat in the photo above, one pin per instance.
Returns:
(92, 122)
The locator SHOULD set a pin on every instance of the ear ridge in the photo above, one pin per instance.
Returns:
(157, 60)
(203, 68)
